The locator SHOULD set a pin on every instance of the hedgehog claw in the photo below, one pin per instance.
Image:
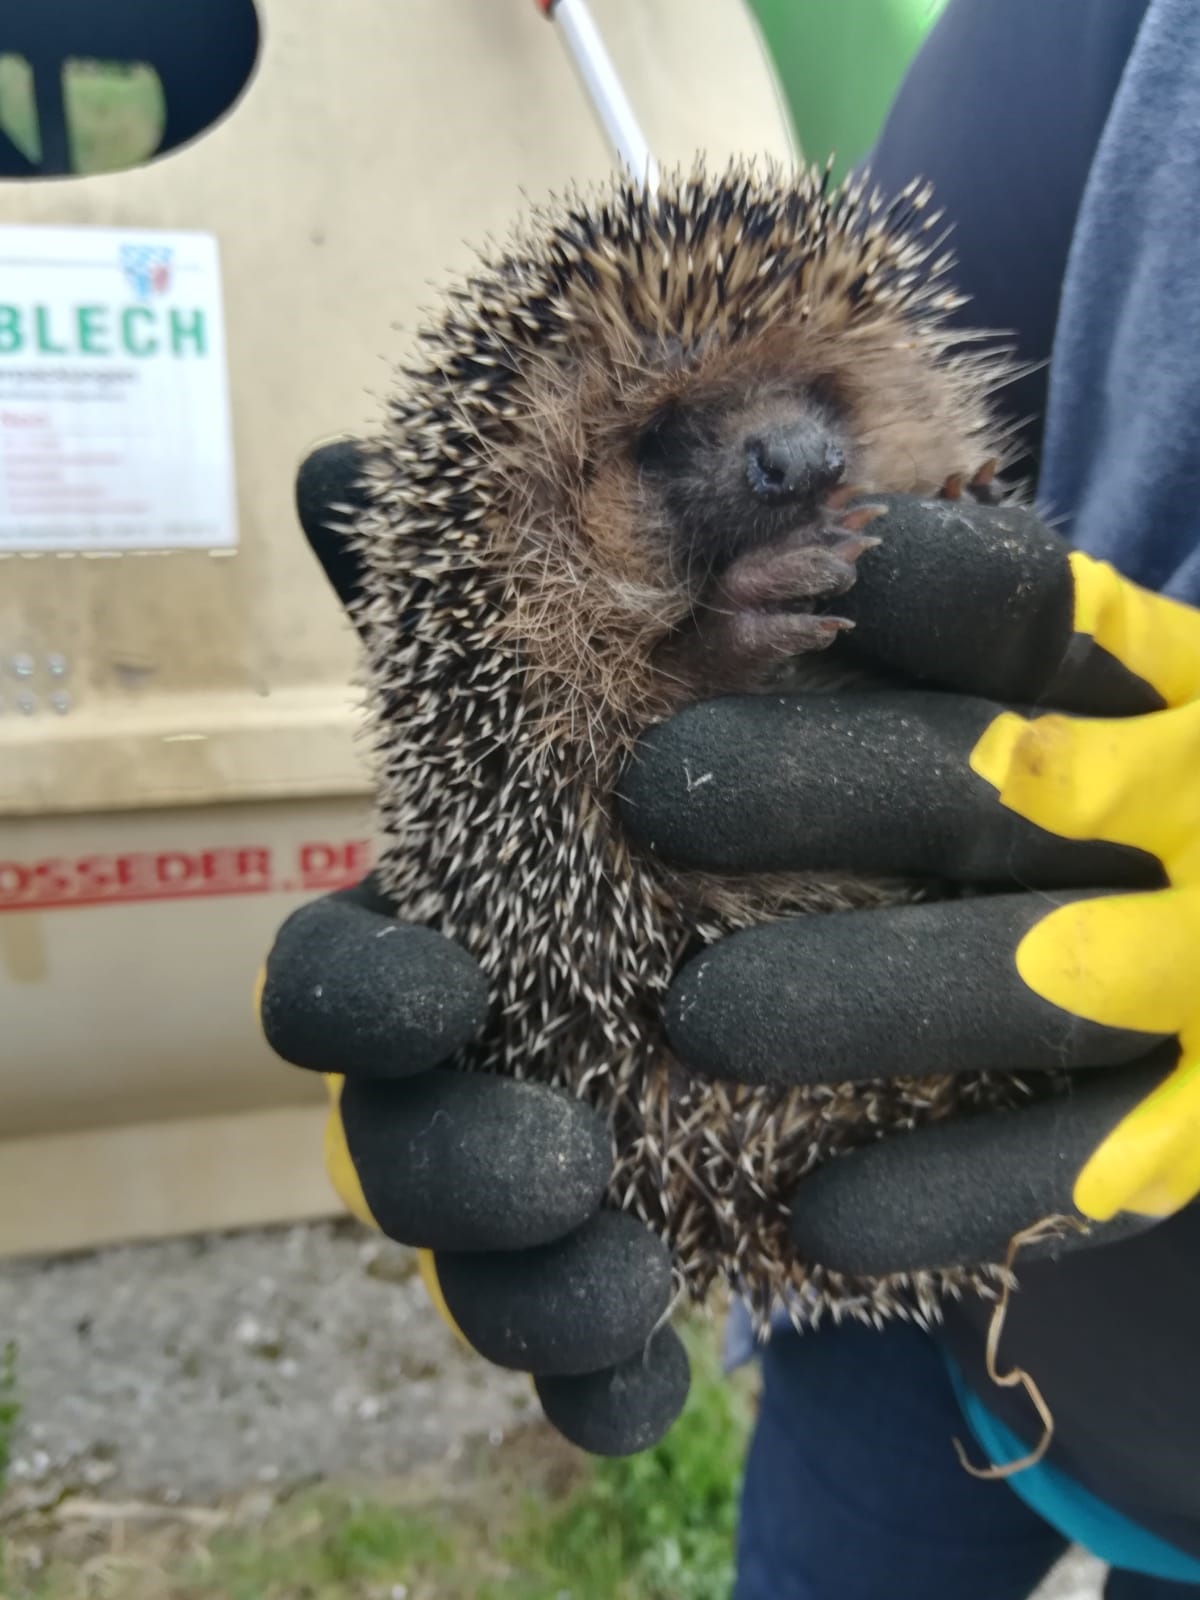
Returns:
(843, 496)
(983, 487)
(849, 550)
(790, 573)
(860, 516)
(756, 641)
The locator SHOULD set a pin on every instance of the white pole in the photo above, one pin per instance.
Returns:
(609, 100)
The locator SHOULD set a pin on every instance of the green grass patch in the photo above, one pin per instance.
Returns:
(533, 1520)
(659, 1526)
(10, 1408)
(324, 1547)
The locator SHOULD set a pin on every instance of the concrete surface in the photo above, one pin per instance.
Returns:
(1078, 1578)
(197, 1369)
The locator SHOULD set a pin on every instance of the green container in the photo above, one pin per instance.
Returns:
(839, 64)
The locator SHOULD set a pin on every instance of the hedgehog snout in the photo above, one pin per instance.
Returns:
(799, 461)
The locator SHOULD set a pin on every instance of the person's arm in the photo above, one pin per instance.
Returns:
(1120, 468)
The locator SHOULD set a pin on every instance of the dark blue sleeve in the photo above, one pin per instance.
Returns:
(1121, 451)
(1002, 111)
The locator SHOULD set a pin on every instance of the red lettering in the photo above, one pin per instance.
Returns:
(316, 860)
(54, 878)
(323, 864)
(254, 864)
(14, 879)
(173, 867)
(142, 875)
(102, 874)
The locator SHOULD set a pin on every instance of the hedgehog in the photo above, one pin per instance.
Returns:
(625, 473)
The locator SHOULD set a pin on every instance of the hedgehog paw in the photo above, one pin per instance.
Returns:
(795, 572)
(760, 613)
(746, 646)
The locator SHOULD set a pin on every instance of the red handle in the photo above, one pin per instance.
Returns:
(545, 6)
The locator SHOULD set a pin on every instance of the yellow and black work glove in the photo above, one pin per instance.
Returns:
(1045, 750)
(498, 1183)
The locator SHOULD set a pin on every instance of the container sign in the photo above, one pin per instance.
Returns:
(199, 871)
(114, 397)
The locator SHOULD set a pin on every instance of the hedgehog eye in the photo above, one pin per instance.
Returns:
(827, 392)
(661, 442)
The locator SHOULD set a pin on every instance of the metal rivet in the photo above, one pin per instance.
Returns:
(26, 703)
(61, 701)
(22, 666)
(56, 664)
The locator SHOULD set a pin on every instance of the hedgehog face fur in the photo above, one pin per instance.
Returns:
(616, 486)
(738, 471)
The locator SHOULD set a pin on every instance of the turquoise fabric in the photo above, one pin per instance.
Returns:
(1078, 1515)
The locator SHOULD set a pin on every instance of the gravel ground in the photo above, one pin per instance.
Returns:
(195, 1370)
(192, 1369)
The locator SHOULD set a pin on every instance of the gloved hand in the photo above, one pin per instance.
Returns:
(497, 1183)
(1085, 829)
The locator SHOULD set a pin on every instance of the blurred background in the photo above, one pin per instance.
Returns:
(210, 1383)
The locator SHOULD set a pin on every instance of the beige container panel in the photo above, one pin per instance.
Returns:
(130, 945)
(129, 948)
(210, 706)
(374, 139)
(151, 1180)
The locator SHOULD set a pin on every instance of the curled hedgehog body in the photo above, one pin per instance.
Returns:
(614, 486)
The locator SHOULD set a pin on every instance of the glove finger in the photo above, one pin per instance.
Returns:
(987, 600)
(566, 1309)
(955, 1193)
(870, 783)
(464, 1161)
(348, 990)
(911, 990)
(623, 1409)
(328, 494)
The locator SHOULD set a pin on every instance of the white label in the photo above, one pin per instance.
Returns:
(114, 396)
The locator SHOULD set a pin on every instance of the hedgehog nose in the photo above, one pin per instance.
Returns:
(793, 463)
